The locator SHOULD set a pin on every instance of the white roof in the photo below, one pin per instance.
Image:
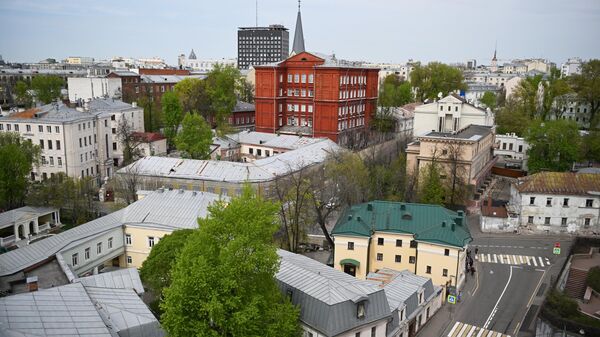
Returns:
(273, 140)
(9, 218)
(260, 170)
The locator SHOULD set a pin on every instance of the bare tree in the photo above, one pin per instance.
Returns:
(130, 142)
(456, 171)
(126, 184)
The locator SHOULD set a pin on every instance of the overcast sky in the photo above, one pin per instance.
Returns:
(373, 30)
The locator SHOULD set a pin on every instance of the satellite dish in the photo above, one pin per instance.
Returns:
(440, 95)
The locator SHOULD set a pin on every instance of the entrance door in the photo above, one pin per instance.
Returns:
(411, 329)
(350, 269)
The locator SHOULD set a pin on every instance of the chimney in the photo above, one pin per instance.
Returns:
(402, 207)
(32, 283)
(370, 207)
(134, 104)
(443, 223)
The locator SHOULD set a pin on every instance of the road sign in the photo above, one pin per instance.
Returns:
(556, 251)
(451, 299)
(557, 245)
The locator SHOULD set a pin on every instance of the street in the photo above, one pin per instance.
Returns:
(513, 272)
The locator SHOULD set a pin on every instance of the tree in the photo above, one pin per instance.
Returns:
(394, 93)
(489, 99)
(22, 94)
(432, 190)
(152, 114)
(223, 281)
(457, 183)
(587, 87)
(434, 78)
(17, 158)
(527, 94)
(350, 176)
(47, 88)
(129, 142)
(193, 96)
(590, 146)
(126, 184)
(221, 89)
(513, 118)
(172, 115)
(156, 269)
(245, 90)
(194, 138)
(553, 145)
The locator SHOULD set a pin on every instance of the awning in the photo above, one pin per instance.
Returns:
(350, 261)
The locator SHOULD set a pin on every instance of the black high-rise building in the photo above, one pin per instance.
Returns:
(260, 45)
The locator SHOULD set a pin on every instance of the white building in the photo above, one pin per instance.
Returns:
(87, 88)
(475, 92)
(511, 150)
(202, 65)
(256, 145)
(514, 68)
(571, 107)
(79, 60)
(80, 142)
(557, 202)
(572, 66)
(151, 143)
(449, 114)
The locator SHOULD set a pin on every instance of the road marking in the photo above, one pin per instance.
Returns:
(467, 330)
(541, 261)
(538, 261)
(517, 328)
(495, 261)
(527, 259)
(487, 322)
(533, 260)
(489, 258)
(547, 261)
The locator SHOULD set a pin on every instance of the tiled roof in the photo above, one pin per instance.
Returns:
(562, 183)
(429, 223)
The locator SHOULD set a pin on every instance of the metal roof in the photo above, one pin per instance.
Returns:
(51, 113)
(169, 209)
(243, 107)
(471, 132)
(9, 218)
(328, 297)
(274, 140)
(561, 183)
(430, 223)
(128, 278)
(265, 169)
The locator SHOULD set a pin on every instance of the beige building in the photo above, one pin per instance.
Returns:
(427, 240)
(468, 152)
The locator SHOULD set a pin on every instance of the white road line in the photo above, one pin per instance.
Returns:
(453, 328)
(490, 334)
(521, 259)
(514, 257)
(541, 261)
(489, 258)
(472, 331)
(495, 261)
(547, 261)
(481, 332)
(487, 323)
(527, 259)
(507, 259)
(463, 329)
(480, 257)
(534, 263)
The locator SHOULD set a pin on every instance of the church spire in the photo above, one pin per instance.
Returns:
(298, 45)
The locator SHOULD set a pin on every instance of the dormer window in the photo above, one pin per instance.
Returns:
(360, 310)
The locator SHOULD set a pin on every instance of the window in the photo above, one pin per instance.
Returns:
(413, 244)
(447, 252)
(350, 245)
(151, 241)
(374, 331)
(129, 260)
(357, 334)
(444, 272)
(80, 143)
(563, 222)
(531, 200)
(87, 253)
(58, 144)
(110, 241)
(258, 152)
(42, 144)
(380, 241)
(586, 222)
(547, 220)
(8, 127)
(49, 129)
(43, 160)
(51, 160)
(28, 128)
(75, 259)
(251, 150)
(379, 257)
(128, 239)
(428, 270)
(57, 129)
(303, 78)
(360, 312)
(114, 131)
(566, 202)
(99, 248)
(114, 146)
(296, 78)
(59, 160)
(548, 202)
(530, 219)
(310, 78)
(398, 243)
(40, 128)
(398, 259)
(49, 144)
(1, 127)
(589, 202)
(412, 259)
(289, 78)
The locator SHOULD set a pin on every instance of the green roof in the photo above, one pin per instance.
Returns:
(350, 261)
(429, 223)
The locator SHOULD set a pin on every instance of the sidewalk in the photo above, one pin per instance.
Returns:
(448, 313)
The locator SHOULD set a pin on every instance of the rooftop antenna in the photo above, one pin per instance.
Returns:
(256, 13)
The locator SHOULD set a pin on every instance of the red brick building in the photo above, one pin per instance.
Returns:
(314, 96)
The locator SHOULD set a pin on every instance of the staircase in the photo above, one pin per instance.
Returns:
(575, 286)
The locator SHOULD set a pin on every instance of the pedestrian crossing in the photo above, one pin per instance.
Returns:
(466, 330)
(534, 261)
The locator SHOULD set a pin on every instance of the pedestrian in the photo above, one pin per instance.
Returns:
(476, 250)
(472, 271)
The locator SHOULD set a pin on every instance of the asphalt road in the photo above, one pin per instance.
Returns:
(513, 272)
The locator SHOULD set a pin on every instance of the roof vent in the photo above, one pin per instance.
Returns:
(181, 191)
(350, 217)
(369, 207)
(358, 218)
(443, 223)
(406, 216)
(453, 227)
(160, 190)
(402, 207)
(194, 193)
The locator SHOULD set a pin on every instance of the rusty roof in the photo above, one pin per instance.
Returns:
(27, 114)
(560, 183)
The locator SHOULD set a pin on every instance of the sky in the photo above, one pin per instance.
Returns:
(366, 30)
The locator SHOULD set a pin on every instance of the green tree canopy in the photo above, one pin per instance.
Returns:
(172, 115)
(432, 189)
(221, 84)
(393, 92)
(47, 88)
(490, 100)
(245, 90)
(513, 117)
(434, 78)
(223, 283)
(17, 158)
(22, 95)
(590, 146)
(195, 137)
(193, 96)
(587, 87)
(553, 145)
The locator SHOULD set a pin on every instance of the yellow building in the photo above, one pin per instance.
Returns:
(428, 240)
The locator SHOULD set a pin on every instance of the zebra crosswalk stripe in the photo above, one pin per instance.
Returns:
(536, 261)
(467, 330)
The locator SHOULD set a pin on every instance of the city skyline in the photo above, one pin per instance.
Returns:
(391, 31)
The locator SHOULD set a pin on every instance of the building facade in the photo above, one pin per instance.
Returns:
(571, 67)
(316, 97)
(260, 45)
(557, 202)
(449, 114)
(427, 240)
(202, 65)
(511, 151)
(88, 88)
